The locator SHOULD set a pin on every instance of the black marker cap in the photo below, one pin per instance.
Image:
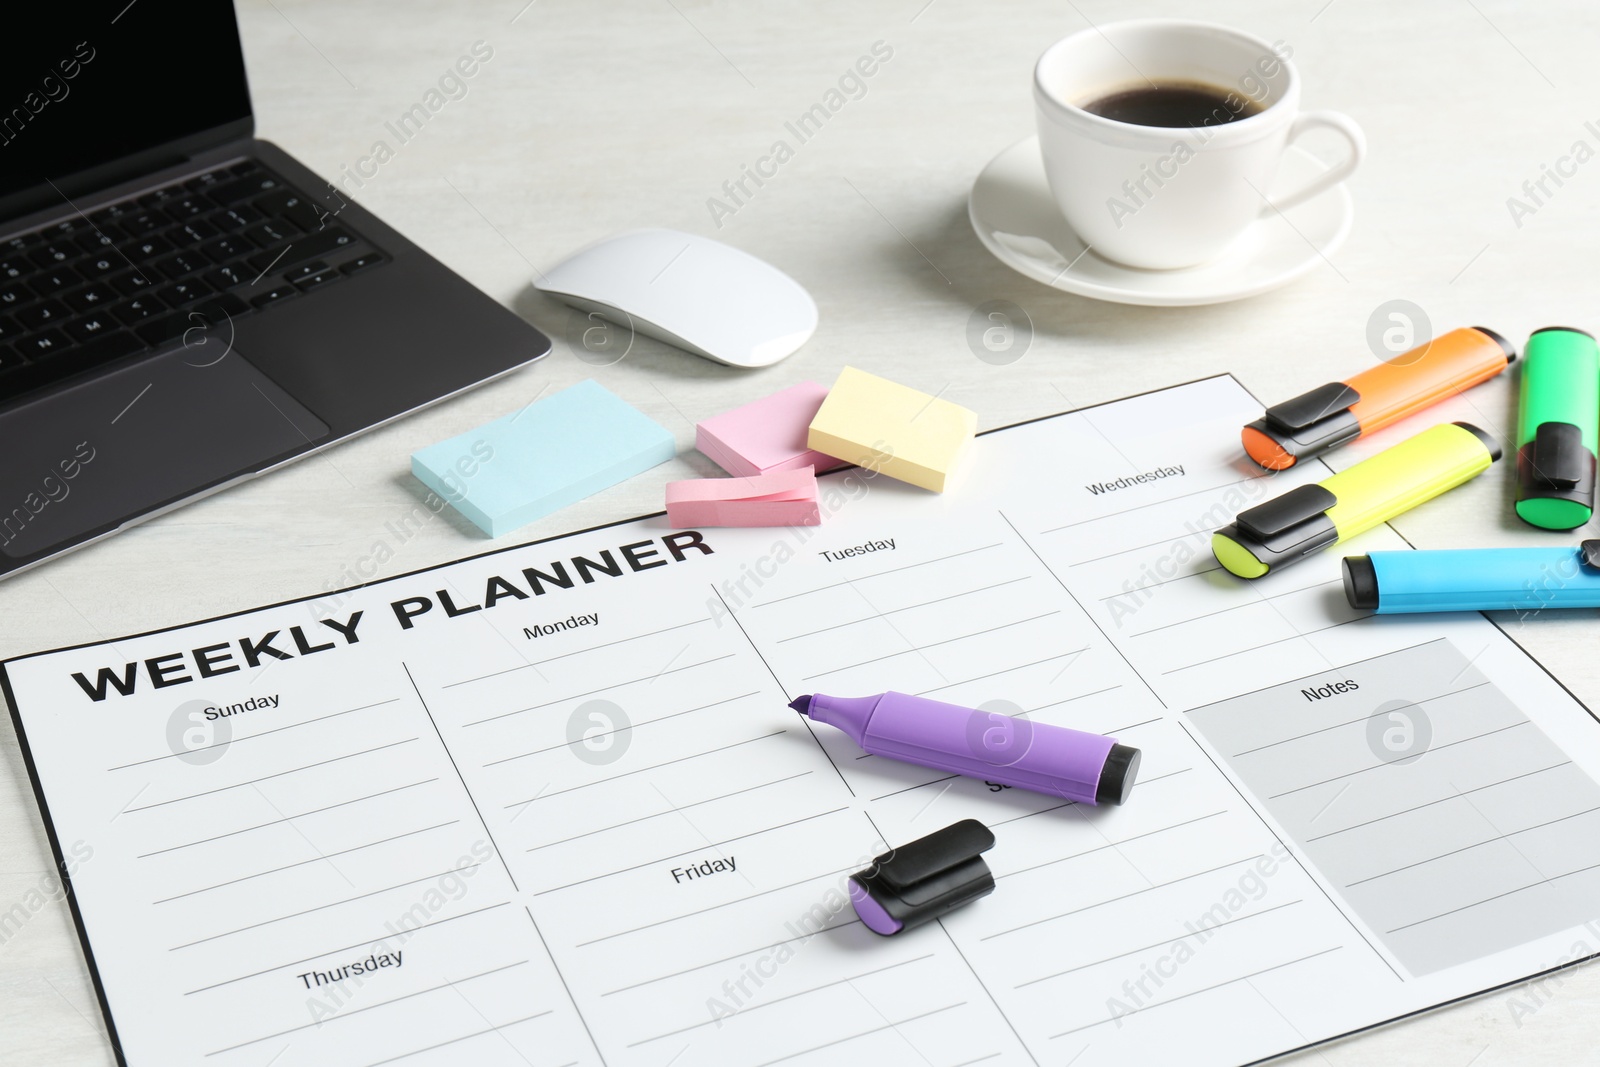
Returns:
(925, 879)
(1117, 776)
(1304, 426)
(1360, 582)
(1556, 465)
(1284, 530)
(1505, 346)
(1488, 440)
(1556, 329)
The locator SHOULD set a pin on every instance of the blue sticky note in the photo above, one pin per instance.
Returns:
(552, 453)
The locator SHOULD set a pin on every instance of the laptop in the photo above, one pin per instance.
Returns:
(182, 305)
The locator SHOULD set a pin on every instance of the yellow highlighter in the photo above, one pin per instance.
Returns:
(1309, 518)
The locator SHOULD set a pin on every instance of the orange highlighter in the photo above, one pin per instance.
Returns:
(1339, 412)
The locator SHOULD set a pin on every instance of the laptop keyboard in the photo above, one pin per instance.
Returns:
(141, 273)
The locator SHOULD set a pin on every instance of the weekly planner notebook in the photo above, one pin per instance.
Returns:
(548, 806)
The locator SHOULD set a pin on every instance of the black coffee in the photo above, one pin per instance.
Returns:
(1177, 105)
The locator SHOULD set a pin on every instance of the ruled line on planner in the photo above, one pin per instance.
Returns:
(1135, 726)
(287, 818)
(471, 797)
(1284, 850)
(1101, 630)
(919, 785)
(1352, 722)
(468, 1037)
(1031, 814)
(745, 1009)
(1124, 896)
(566, 987)
(642, 770)
(1267, 644)
(1172, 540)
(736, 955)
(498, 1031)
(324, 907)
(670, 811)
(724, 904)
(865, 1033)
(347, 1012)
(1497, 896)
(267, 777)
(1143, 782)
(1159, 944)
(250, 737)
(1007, 670)
(1441, 800)
(1375, 766)
(1469, 848)
(929, 644)
(576, 652)
(1110, 844)
(603, 689)
(1237, 607)
(1069, 700)
(302, 863)
(1207, 989)
(344, 948)
(994, 1001)
(895, 611)
(875, 574)
(142, 790)
(1165, 581)
(588, 738)
(1156, 503)
(811, 730)
(691, 852)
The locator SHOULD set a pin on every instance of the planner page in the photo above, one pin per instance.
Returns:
(549, 806)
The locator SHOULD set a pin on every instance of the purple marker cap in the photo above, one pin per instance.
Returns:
(873, 915)
(920, 881)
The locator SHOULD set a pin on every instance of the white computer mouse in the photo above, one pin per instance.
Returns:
(693, 292)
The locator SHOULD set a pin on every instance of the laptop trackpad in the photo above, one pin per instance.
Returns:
(136, 439)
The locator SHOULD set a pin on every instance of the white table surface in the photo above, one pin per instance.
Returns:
(596, 117)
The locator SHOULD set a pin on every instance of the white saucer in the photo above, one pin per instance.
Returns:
(1016, 218)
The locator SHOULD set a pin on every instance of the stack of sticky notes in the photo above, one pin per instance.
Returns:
(766, 435)
(783, 498)
(552, 453)
(892, 428)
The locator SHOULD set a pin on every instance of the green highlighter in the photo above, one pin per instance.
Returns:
(1558, 422)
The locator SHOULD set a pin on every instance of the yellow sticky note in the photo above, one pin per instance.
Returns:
(906, 434)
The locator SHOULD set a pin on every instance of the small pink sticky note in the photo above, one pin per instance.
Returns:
(766, 435)
(786, 498)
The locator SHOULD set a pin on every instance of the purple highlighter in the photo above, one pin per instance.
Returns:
(1082, 767)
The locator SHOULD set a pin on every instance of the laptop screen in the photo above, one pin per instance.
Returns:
(83, 84)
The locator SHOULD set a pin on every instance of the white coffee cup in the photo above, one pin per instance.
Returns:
(1163, 198)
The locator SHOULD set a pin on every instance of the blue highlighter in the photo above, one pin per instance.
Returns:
(1475, 579)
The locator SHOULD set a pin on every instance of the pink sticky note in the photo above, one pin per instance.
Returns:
(786, 498)
(766, 435)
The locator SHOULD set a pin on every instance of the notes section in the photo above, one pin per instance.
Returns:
(1452, 824)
